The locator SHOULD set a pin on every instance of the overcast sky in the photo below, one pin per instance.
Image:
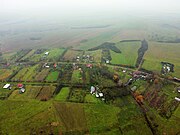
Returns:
(65, 7)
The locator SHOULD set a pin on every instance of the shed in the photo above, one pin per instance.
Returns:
(46, 53)
(177, 99)
(7, 86)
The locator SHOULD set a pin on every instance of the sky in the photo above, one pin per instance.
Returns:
(80, 7)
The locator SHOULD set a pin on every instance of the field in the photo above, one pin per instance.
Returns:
(42, 75)
(77, 76)
(77, 95)
(52, 76)
(5, 73)
(54, 54)
(26, 74)
(63, 94)
(46, 93)
(95, 54)
(162, 52)
(128, 55)
(71, 55)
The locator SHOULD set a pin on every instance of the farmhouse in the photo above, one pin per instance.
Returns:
(46, 53)
(93, 89)
(20, 85)
(177, 99)
(89, 65)
(22, 90)
(7, 86)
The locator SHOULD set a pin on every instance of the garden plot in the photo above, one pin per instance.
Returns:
(77, 77)
(42, 75)
(77, 95)
(46, 93)
(26, 74)
(63, 94)
(52, 76)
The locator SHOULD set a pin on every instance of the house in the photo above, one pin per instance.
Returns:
(178, 89)
(7, 86)
(93, 89)
(101, 94)
(107, 61)
(177, 99)
(89, 65)
(55, 65)
(22, 90)
(133, 88)
(20, 85)
(46, 53)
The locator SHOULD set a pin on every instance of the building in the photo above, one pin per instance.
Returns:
(7, 86)
(20, 85)
(46, 53)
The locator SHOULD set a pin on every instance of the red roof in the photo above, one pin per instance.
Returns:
(88, 65)
(20, 85)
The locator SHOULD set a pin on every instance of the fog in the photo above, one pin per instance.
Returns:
(53, 20)
(63, 8)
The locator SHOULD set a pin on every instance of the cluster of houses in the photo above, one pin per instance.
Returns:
(20, 86)
(48, 66)
(167, 67)
(94, 90)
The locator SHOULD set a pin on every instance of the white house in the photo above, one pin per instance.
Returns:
(46, 53)
(177, 99)
(7, 86)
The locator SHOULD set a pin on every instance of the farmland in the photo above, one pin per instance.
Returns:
(159, 52)
(59, 91)
(129, 53)
(52, 76)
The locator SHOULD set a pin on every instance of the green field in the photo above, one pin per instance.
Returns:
(128, 55)
(26, 74)
(158, 52)
(54, 54)
(52, 76)
(63, 94)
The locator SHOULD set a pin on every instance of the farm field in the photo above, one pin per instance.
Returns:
(46, 93)
(5, 73)
(71, 55)
(63, 94)
(27, 56)
(52, 76)
(26, 74)
(162, 52)
(95, 54)
(77, 77)
(42, 75)
(128, 55)
(54, 54)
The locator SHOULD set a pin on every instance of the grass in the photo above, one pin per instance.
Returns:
(26, 117)
(77, 95)
(128, 55)
(63, 94)
(52, 76)
(42, 75)
(95, 54)
(91, 99)
(158, 52)
(26, 74)
(54, 54)
(101, 118)
(71, 55)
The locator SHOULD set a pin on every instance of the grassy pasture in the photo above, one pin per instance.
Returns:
(52, 76)
(27, 117)
(158, 52)
(5, 73)
(128, 55)
(27, 56)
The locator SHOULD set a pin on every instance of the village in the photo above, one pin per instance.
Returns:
(87, 78)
